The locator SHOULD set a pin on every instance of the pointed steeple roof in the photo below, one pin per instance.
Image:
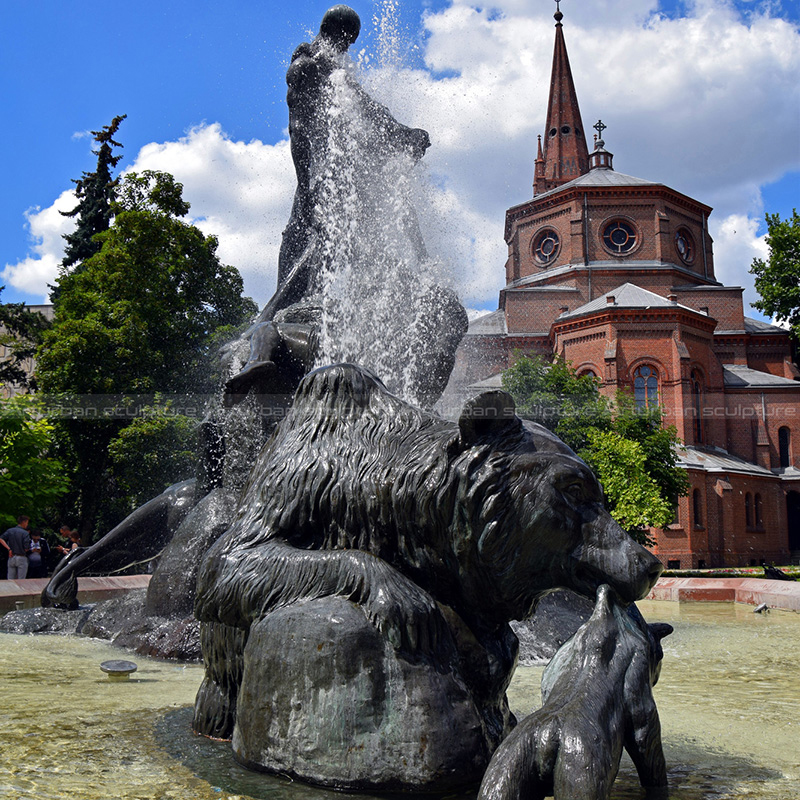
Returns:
(566, 155)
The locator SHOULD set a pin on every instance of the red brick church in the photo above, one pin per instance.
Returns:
(616, 274)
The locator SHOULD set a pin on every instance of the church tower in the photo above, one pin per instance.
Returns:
(615, 274)
(565, 155)
(589, 228)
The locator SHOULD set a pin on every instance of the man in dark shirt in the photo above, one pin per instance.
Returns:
(17, 541)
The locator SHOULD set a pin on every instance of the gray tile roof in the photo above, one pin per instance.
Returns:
(601, 177)
(738, 376)
(492, 382)
(759, 326)
(626, 296)
(717, 461)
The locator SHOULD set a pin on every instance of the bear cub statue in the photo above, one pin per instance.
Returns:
(596, 699)
(355, 615)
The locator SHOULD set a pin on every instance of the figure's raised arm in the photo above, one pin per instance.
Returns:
(414, 141)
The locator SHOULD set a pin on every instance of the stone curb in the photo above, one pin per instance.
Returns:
(753, 591)
(90, 590)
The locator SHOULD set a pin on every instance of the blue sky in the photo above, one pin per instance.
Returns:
(702, 95)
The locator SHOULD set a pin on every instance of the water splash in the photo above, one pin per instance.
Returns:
(391, 38)
(378, 287)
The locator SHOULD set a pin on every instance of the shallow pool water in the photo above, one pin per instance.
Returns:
(728, 698)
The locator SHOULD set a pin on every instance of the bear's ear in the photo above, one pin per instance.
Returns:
(660, 630)
(490, 414)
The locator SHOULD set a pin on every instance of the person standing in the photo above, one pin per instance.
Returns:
(17, 541)
(38, 556)
(66, 535)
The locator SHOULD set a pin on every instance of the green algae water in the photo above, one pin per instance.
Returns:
(728, 697)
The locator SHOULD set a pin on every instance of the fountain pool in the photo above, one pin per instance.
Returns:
(728, 700)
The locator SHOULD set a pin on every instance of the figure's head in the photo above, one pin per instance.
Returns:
(23, 521)
(340, 26)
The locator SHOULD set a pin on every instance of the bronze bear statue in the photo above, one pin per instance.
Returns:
(355, 615)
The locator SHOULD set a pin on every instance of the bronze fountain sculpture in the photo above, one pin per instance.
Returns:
(353, 579)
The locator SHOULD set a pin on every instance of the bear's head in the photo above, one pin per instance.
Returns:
(533, 519)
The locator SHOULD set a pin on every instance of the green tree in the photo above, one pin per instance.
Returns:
(659, 445)
(552, 394)
(620, 464)
(142, 316)
(153, 452)
(634, 455)
(20, 333)
(30, 479)
(145, 310)
(96, 192)
(777, 279)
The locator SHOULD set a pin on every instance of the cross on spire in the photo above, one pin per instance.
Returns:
(558, 15)
(599, 127)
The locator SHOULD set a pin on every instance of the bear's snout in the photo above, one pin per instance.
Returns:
(609, 555)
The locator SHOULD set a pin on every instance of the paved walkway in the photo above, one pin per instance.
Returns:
(90, 590)
(753, 591)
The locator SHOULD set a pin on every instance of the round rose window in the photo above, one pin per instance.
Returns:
(619, 236)
(684, 244)
(545, 246)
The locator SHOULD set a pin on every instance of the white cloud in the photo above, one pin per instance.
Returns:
(46, 226)
(706, 103)
(736, 244)
(240, 192)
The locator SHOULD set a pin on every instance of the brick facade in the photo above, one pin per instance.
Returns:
(616, 274)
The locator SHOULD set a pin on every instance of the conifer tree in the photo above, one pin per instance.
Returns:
(96, 191)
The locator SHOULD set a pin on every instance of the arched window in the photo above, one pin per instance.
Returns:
(697, 404)
(748, 510)
(697, 509)
(676, 510)
(759, 511)
(588, 372)
(784, 446)
(645, 387)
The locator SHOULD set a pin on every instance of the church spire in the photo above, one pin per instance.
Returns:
(566, 155)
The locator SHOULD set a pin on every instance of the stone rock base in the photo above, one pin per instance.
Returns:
(326, 699)
(121, 620)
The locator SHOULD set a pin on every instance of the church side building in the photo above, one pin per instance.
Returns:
(616, 274)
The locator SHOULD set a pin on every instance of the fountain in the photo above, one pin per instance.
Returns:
(354, 582)
(355, 283)
(727, 699)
